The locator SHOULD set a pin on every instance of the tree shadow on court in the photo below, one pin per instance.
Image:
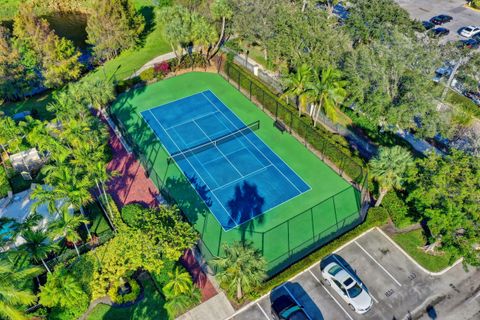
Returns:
(245, 205)
(192, 202)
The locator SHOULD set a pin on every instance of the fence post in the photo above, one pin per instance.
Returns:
(313, 226)
(288, 237)
(228, 71)
(239, 75)
(335, 211)
(276, 111)
(291, 121)
(250, 90)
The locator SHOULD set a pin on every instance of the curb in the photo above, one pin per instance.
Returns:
(435, 274)
(296, 275)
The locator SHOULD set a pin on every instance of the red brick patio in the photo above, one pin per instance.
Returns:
(133, 186)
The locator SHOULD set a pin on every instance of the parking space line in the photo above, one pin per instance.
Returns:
(338, 303)
(263, 311)
(378, 263)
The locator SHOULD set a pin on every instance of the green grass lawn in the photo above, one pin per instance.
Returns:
(99, 223)
(121, 67)
(151, 307)
(412, 242)
(311, 216)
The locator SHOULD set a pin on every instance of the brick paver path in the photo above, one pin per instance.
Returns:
(133, 186)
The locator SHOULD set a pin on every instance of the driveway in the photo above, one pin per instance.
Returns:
(426, 9)
(399, 287)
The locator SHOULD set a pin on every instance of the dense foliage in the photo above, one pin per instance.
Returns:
(447, 192)
(114, 26)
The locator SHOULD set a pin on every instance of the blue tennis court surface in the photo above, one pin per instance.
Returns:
(239, 177)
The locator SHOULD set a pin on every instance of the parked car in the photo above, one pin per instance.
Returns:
(340, 11)
(441, 19)
(428, 25)
(474, 96)
(345, 284)
(444, 71)
(286, 308)
(439, 32)
(469, 31)
(469, 44)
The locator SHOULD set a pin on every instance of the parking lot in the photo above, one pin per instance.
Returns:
(425, 9)
(397, 285)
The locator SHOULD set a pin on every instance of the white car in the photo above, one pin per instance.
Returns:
(352, 291)
(470, 31)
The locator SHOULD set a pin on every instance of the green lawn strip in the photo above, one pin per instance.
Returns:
(151, 307)
(412, 242)
(268, 231)
(99, 223)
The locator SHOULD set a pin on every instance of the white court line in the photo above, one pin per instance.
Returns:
(263, 311)
(241, 178)
(192, 168)
(193, 119)
(223, 154)
(256, 146)
(378, 263)
(320, 282)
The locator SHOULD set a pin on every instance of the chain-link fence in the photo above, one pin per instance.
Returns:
(281, 244)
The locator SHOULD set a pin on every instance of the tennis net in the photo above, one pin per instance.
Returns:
(183, 154)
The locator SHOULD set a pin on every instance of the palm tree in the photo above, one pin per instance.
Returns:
(221, 10)
(61, 289)
(388, 168)
(203, 35)
(66, 226)
(298, 85)
(97, 93)
(37, 246)
(177, 304)
(326, 91)
(179, 283)
(14, 295)
(242, 268)
(72, 185)
(101, 176)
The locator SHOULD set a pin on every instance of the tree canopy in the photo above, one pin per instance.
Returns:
(447, 191)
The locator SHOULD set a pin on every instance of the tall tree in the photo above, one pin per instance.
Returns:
(114, 26)
(15, 295)
(297, 85)
(389, 168)
(446, 190)
(241, 269)
(179, 283)
(37, 246)
(326, 91)
(63, 291)
(66, 225)
(15, 78)
(55, 57)
(221, 10)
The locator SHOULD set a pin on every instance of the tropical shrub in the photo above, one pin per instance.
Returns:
(475, 4)
(162, 68)
(147, 75)
(377, 215)
(114, 293)
(397, 210)
(131, 213)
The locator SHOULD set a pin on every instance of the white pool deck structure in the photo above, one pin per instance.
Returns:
(19, 206)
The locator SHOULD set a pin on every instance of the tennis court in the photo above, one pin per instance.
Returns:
(205, 145)
(237, 175)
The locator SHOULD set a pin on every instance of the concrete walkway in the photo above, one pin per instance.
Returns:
(151, 63)
(217, 307)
